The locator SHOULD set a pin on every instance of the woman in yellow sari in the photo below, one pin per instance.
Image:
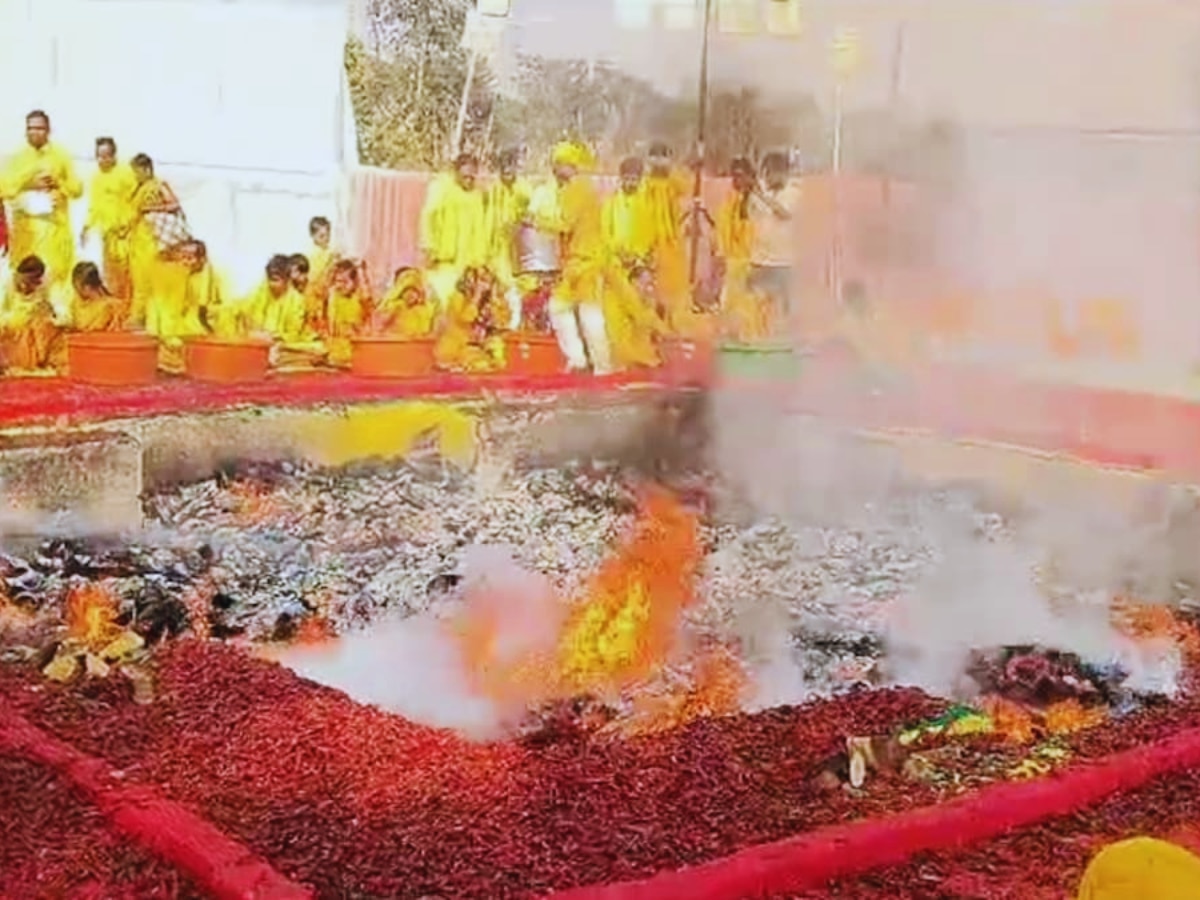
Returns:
(159, 281)
(110, 214)
(30, 330)
(93, 306)
(406, 310)
(471, 338)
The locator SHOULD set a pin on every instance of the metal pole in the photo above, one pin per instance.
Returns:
(702, 124)
(462, 106)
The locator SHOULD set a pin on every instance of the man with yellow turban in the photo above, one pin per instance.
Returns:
(1141, 868)
(569, 207)
(453, 228)
(37, 186)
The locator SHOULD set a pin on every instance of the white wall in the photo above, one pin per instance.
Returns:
(241, 103)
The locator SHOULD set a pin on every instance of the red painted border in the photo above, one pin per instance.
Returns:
(810, 860)
(221, 866)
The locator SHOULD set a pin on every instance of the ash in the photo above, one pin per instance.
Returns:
(275, 543)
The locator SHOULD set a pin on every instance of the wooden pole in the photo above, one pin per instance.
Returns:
(701, 129)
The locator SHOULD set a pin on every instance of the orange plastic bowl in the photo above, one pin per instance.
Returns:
(114, 359)
(534, 354)
(689, 361)
(226, 361)
(391, 357)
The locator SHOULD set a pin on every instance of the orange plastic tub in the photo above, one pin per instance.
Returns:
(115, 359)
(227, 361)
(534, 354)
(391, 357)
(689, 361)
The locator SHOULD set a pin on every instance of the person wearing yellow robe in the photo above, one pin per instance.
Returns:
(406, 311)
(348, 311)
(314, 297)
(156, 277)
(505, 204)
(624, 219)
(30, 331)
(665, 193)
(631, 319)
(471, 338)
(453, 228)
(1141, 868)
(277, 310)
(210, 305)
(321, 256)
(93, 306)
(110, 214)
(569, 207)
(37, 186)
(744, 312)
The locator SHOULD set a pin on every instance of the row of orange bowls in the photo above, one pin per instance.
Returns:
(126, 359)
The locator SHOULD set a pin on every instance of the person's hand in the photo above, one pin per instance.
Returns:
(44, 182)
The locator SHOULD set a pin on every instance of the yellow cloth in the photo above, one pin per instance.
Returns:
(458, 348)
(110, 214)
(574, 212)
(172, 314)
(284, 318)
(49, 236)
(105, 314)
(570, 153)
(400, 317)
(745, 314)
(1141, 869)
(505, 206)
(149, 273)
(30, 337)
(630, 322)
(210, 299)
(453, 232)
(663, 206)
(345, 317)
(625, 228)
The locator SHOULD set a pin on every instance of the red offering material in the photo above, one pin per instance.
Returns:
(57, 844)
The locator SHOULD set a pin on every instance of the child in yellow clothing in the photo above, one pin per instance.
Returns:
(278, 311)
(348, 311)
(30, 330)
(471, 336)
(406, 310)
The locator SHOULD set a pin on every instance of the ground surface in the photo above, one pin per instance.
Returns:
(357, 802)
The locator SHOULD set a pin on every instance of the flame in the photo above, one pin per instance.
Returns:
(718, 683)
(91, 615)
(314, 629)
(1071, 716)
(1146, 621)
(1010, 720)
(617, 633)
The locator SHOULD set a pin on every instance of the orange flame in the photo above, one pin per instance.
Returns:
(1011, 720)
(1071, 716)
(620, 630)
(91, 615)
(1148, 621)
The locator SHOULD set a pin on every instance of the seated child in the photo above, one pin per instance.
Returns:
(406, 310)
(471, 337)
(348, 309)
(277, 310)
(92, 307)
(30, 331)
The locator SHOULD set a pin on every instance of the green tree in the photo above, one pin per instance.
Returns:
(406, 75)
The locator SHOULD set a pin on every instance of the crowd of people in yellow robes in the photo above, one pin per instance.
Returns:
(618, 285)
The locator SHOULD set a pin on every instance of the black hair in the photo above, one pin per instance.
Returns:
(509, 158)
(741, 165)
(31, 265)
(279, 266)
(88, 274)
(631, 165)
(142, 161)
(318, 222)
(37, 114)
(107, 142)
(299, 261)
(464, 159)
(659, 148)
(776, 162)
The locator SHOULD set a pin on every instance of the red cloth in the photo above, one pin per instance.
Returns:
(3, 231)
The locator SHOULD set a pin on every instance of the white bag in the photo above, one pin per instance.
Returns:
(36, 203)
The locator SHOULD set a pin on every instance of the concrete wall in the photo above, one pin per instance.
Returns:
(242, 103)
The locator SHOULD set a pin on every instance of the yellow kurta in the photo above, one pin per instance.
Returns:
(1141, 869)
(505, 206)
(400, 317)
(151, 276)
(745, 314)
(110, 215)
(171, 315)
(32, 232)
(664, 202)
(625, 226)
(453, 233)
(285, 319)
(458, 347)
(210, 300)
(630, 321)
(105, 314)
(30, 335)
(320, 270)
(345, 317)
